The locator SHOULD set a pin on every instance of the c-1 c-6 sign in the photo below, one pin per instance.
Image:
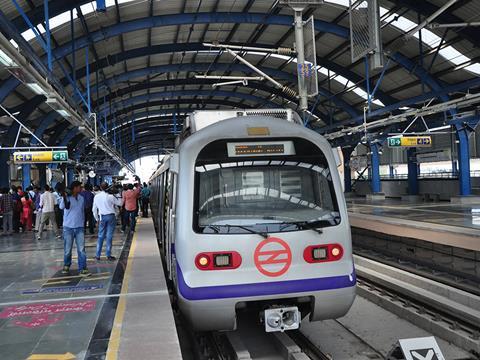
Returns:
(49, 156)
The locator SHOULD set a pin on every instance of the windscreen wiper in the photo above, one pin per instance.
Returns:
(261, 233)
(213, 227)
(313, 225)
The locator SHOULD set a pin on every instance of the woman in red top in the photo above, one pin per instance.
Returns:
(26, 215)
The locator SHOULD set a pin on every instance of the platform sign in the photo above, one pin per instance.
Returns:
(29, 157)
(410, 141)
(425, 348)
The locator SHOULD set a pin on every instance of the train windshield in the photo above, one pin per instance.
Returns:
(264, 196)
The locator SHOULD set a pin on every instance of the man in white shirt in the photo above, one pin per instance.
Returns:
(104, 212)
(47, 206)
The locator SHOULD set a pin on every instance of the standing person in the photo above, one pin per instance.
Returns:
(27, 212)
(73, 207)
(6, 204)
(88, 197)
(17, 208)
(59, 189)
(48, 200)
(104, 213)
(130, 198)
(145, 196)
(35, 196)
(123, 212)
(38, 210)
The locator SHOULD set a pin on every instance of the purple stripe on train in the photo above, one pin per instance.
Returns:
(265, 288)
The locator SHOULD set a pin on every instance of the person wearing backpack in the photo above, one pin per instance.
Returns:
(145, 199)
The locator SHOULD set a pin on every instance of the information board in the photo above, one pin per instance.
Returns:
(410, 141)
(260, 148)
(29, 157)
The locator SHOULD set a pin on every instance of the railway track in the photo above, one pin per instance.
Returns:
(451, 266)
(251, 342)
(458, 280)
(448, 312)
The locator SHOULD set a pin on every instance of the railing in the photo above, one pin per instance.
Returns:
(433, 175)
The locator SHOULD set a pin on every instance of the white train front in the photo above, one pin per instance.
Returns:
(251, 215)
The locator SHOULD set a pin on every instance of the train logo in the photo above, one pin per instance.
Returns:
(273, 257)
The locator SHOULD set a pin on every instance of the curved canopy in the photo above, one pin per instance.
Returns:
(143, 56)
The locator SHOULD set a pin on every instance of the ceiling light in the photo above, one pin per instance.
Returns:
(63, 112)
(6, 60)
(37, 89)
(439, 128)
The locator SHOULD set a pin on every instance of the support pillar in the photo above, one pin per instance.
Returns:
(391, 171)
(26, 175)
(4, 169)
(42, 173)
(375, 168)
(412, 171)
(463, 161)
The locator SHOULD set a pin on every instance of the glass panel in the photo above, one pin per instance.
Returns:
(264, 198)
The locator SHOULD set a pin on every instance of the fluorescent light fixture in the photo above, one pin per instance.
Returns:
(37, 89)
(445, 127)
(63, 112)
(6, 60)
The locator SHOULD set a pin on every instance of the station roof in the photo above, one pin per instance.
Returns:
(143, 56)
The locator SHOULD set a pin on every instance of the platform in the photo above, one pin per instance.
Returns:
(455, 225)
(44, 313)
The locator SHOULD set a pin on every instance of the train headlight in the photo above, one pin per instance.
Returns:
(319, 253)
(323, 253)
(203, 260)
(336, 251)
(222, 260)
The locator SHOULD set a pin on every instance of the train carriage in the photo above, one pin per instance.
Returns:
(251, 214)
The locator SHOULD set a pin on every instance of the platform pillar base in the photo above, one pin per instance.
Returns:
(412, 198)
(375, 196)
(465, 199)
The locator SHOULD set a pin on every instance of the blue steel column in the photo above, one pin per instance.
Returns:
(26, 178)
(412, 171)
(375, 168)
(47, 35)
(463, 161)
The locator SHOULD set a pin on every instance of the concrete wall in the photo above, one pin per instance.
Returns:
(396, 188)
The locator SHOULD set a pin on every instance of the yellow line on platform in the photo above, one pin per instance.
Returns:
(66, 356)
(96, 278)
(56, 282)
(114, 342)
(68, 277)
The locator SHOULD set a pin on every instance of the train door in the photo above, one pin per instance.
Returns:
(170, 197)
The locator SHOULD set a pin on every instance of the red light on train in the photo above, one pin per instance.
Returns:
(202, 261)
(222, 260)
(323, 253)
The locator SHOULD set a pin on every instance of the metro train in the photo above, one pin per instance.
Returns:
(251, 215)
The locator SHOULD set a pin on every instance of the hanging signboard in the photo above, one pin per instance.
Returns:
(29, 157)
(410, 141)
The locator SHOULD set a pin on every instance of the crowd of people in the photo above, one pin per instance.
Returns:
(75, 210)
